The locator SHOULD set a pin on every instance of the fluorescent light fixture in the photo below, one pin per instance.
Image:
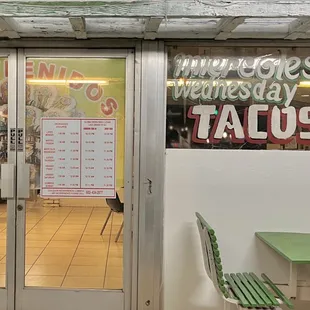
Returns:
(304, 84)
(39, 81)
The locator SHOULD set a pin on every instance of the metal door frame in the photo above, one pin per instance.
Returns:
(7, 293)
(28, 297)
(149, 86)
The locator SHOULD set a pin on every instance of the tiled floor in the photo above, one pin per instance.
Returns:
(64, 247)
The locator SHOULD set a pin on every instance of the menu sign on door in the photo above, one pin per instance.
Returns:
(78, 157)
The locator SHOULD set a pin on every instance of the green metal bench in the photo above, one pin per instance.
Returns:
(240, 290)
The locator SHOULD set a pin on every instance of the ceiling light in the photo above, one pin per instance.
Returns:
(39, 81)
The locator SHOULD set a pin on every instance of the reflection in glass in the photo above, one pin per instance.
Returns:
(3, 160)
(64, 247)
(238, 98)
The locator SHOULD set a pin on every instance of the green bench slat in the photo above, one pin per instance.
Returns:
(278, 292)
(242, 299)
(212, 238)
(216, 246)
(217, 260)
(247, 288)
(220, 274)
(218, 266)
(261, 293)
(216, 253)
(251, 289)
(220, 280)
(245, 291)
(203, 221)
(224, 291)
(265, 289)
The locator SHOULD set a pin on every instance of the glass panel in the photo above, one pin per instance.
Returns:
(64, 245)
(238, 98)
(3, 160)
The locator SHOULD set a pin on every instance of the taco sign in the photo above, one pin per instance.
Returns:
(271, 84)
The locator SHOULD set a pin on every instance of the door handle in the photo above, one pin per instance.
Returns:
(7, 181)
(23, 181)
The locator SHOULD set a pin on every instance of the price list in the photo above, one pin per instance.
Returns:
(78, 157)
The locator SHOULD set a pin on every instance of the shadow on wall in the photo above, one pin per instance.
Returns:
(196, 289)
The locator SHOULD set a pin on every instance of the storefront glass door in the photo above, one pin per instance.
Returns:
(74, 173)
(7, 160)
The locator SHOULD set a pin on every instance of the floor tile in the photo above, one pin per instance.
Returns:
(93, 245)
(2, 280)
(83, 282)
(90, 271)
(114, 272)
(2, 269)
(91, 231)
(115, 262)
(64, 247)
(88, 261)
(67, 237)
(93, 238)
(113, 283)
(36, 243)
(27, 268)
(34, 251)
(39, 237)
(116, 253)
(44, 281)
(63, 244)
(88, 252)
(30, 259)
(48, 270)
(58, 251)
(73, 226)
(54, 260)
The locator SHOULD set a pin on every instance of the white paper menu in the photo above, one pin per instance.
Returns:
(78, 157)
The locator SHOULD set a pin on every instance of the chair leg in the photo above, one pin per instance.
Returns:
(105, 223)
(119, 232)
(226, 305)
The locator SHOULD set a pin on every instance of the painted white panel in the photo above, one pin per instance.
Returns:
(188, 24)
(42, 27)
(239, 193)
(39, 299)
(280, 25)
(3, 298)
(116, 26)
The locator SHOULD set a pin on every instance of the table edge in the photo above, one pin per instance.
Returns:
(258, 235)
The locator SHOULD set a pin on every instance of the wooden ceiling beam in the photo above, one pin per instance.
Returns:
(298, 28)
(79, 27)
(7, 28)
(226, 26)
(151, 27)
(158, 8)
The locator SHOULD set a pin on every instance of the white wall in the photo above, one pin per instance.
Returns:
(239, 193)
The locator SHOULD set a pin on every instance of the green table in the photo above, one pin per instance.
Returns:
(294, 247)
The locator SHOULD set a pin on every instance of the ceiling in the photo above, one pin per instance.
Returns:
(151, 19)
(152, 28)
